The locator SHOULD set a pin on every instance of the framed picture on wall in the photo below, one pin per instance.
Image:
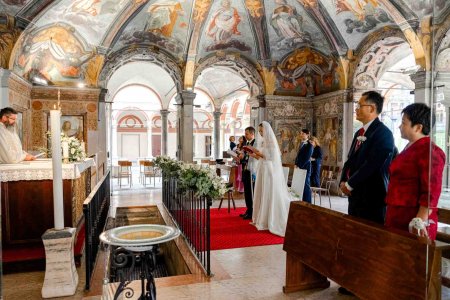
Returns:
(71, 126)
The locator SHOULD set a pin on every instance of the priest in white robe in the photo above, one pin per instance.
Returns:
(11, 151)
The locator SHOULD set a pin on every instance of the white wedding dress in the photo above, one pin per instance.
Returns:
(271, 198)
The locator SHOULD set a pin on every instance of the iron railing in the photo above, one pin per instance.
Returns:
(191, 213)
(95, 210)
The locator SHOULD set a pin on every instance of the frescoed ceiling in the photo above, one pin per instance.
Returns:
(67, 41)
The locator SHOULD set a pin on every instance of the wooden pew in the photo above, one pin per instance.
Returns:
(364, 257)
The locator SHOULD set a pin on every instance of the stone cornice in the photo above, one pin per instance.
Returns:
(67, 94)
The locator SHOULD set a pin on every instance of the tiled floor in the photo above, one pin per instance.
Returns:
(253, 273)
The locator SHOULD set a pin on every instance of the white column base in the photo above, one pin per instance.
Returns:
(61, 277)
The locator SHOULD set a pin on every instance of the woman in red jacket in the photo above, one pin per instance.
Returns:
(413, 191)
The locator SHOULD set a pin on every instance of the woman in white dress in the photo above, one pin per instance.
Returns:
(271, 198)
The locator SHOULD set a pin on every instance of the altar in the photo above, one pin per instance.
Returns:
(27, 199)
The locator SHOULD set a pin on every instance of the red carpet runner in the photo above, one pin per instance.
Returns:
(228, 231)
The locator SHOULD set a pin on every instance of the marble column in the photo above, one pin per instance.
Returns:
(216, 136)
(185, 101)
(442, 86)
(61, 277)
(4, 87)
(422, 91)
(164, 131)
(149, 138)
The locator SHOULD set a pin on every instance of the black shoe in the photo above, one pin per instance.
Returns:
(247, 217)
(344, 291)
(242, 215)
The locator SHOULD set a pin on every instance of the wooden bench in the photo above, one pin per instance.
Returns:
(364, 257)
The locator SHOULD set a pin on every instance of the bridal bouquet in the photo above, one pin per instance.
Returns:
(75, 149)
(170, 167)
(202, 180)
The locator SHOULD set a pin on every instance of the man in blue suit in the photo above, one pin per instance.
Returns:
(365, 173)
(303, 161)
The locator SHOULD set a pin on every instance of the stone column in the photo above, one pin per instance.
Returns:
(164, 131)
(262, 109)
(4, 87)
(149, 137)
(233, 127)
(422, 91)
(216, 136)
(441, 85)
(347, 130)
(185, 100)
(61, 277)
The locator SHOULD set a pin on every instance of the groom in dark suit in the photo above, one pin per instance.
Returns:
(303, 161)
(246, 162)
(365, 173)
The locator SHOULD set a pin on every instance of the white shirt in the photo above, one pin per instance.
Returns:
(10, 146)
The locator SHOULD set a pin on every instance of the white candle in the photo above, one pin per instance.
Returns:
(83, 147)
(58, 204)
(65, 148)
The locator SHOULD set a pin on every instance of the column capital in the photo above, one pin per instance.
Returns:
(217, 114)
(261, 100)
(422, 79)
(103, 95)
(185, 97)
(164, 112)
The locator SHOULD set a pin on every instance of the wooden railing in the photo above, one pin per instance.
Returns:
(95, 210)
(192, 216)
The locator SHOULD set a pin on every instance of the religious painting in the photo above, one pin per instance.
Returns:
(71, 126)
(365, 14)
(11, 7)
(51, 54)
(225, 28)
(163, 23)
(288, 136)
(428, 7)
(290, 27)
(90, 18)
(328, 132)
(307, 73)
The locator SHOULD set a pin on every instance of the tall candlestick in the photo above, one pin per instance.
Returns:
(83, 147)
(58, 207)
(65, 149)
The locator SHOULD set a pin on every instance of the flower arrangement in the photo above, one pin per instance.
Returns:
(361, 138)
(169, 167)
(75, 148)
(203, 181)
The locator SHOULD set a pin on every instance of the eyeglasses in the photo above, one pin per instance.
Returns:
(359, 105)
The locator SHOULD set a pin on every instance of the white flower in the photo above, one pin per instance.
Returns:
(361, 138)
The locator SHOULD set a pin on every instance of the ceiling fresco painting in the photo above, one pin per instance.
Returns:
(295, 45)
(12, 6)
(163, 23)
(227, 28)
(356, 18)
(308, 73)
(90, 18)
(290, 27)
(54, 54)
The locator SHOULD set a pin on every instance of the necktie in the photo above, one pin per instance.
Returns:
(358, 143)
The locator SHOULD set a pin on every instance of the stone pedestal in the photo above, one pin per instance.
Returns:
(61, 277)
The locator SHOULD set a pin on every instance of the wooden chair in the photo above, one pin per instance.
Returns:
(124, 172)
(325, 184)
(230, 185)
(149, 171)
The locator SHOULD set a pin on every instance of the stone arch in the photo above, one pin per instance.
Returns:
(371, 56)
(143, 54)
(237, 64)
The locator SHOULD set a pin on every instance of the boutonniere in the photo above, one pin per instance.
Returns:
(361, 138)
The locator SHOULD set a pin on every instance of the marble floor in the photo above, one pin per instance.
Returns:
(251, 273)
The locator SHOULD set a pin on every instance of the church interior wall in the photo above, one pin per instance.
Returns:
(19, 98)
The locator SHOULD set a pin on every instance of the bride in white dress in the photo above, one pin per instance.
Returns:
(271, 198)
